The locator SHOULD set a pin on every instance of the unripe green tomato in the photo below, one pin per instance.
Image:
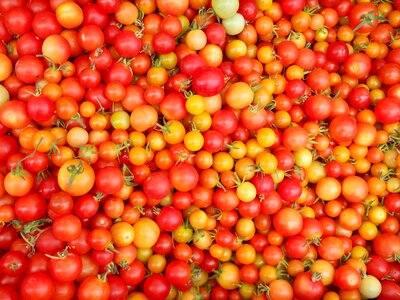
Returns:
(225, 8)
(234, 25)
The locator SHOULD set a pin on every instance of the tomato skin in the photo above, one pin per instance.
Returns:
(229, 276)
(93, 288)
(183, 177)
(8, 292)
(30, 207)
(358, 65)
(109, 180)
(29, 69)
(67, 227)
(343, 129)
(40, 109)
(296, 247)
(290, 189)
(386, 245)
(48, 244)
(288, 222)
(377, 266)
(156, 287)
(157, 185)
(387, 110)
(37, 285)
(208, 81)
(127, 44)
(305, 287)
(56, 48)
(357, 13)
(347, 278)
(169, 218)
(119, 289)
(66, 269)
(13, 263)
(295, 138)
(337, 52)
(390, 290)
(18, 110)
(292, 7)
(18, 20)
(177, 273)
(225, 122)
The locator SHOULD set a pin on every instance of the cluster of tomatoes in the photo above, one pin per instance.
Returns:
(199, 149)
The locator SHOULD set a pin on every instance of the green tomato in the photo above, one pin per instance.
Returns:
(370, 287)
(234, 25)
(120, 120)
(225, 8)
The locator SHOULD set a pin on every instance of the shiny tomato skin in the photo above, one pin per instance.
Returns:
(156, 287)
(208, 81)
(38, 285)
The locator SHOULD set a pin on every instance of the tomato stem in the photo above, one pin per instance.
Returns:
(74, 170)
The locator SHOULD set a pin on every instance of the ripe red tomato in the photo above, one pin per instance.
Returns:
(288, 222)
(156, 286)
(169, 218)
(38, 285)
(127, 44)
(208, 81)
(183, 177)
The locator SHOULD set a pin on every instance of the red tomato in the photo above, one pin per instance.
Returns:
(288, 222)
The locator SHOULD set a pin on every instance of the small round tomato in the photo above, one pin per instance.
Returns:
(76, 177)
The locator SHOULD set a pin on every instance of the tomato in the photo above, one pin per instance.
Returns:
(343, 129)
(331, 248)
(156, 286)
(357, 65)
(208, 81)
(56, 48)
(76, 177)
(127, 44)
(370, 287)
(228, 276)
(109, 180)
(308, 286)
(40, 109)
(363, 17)
(30, 207)
(93, 287)
(347, 278)
(354, 189)
(386, 245)
(18, 20)
(146, 233)
(169, 219)
(37, 285)
(288, 222)
(387, 110)
(69, 15)
(168, 7)
(292, 7)
(14, 114)
(183, 177)
(290, 189)
(13, 263)
(178, 273)
(65, 268)
(67, 227)
(295, 138)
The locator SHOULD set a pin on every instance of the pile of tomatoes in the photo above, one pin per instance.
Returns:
(199, 149)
